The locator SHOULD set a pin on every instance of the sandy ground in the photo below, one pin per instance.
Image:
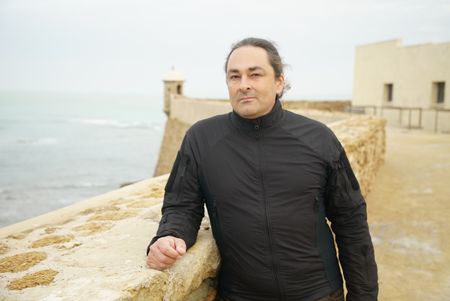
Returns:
(409, 211)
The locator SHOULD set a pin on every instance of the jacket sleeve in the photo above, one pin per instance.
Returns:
(346, 209)
(182, 209)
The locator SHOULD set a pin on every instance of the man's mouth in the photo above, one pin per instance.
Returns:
(246, 98)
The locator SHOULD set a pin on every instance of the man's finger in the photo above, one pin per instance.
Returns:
(180, 246)
(153, 264)
(168, 250)
(161, 257)
(165, 251)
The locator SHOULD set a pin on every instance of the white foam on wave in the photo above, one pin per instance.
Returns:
(91, 184)
(113, 123)
(38, 142)
(71, 185)
(157, 127)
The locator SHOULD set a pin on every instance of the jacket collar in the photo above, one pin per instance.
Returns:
(259, 123)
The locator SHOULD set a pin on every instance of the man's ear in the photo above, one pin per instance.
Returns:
(280, 84)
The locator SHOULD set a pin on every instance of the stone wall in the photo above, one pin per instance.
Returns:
(364, 140)
(190, 110)
(413, 71)
(325, 105)
(95, 249)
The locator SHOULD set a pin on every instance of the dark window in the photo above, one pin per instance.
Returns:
(440, 88)
(388, 92)
(179, 89)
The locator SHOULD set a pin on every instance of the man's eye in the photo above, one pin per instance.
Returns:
(255, 75)
(233, 77)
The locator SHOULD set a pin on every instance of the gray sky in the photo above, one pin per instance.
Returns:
(126, 46)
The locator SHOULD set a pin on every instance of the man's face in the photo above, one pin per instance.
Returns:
(251, 82)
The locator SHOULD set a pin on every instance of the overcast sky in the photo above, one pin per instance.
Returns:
(126, 46)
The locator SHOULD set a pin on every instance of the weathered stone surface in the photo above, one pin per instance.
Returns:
(21, 262)
(107, 261)
(91, 228)
(324, 105)
(4, 248)
(51, 240)
(113, 215)
(364, 141)
(44, 277)
(20, 235)
(50, 230)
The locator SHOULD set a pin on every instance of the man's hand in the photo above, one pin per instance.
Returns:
(165, 251)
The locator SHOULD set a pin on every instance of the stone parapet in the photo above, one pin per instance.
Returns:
(324, 105)
(95, 250)
(191, 110)
(364, 140)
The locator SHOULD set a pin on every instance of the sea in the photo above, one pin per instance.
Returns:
(59, 148)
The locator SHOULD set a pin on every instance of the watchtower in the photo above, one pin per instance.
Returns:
(173, 85)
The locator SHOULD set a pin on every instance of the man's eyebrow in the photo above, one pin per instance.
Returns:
(254, 68)
(233, 71)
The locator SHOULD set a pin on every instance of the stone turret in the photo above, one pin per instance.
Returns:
(173, 85)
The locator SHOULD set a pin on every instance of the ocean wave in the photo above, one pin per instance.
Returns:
(38, 142)
(91, 184)
(118, 124)
(66, 201)
(62, 186)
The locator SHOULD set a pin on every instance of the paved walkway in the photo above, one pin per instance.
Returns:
(409, 215)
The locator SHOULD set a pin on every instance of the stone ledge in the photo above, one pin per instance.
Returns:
(95, 250)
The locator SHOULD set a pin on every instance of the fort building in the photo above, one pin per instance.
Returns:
(406, 84)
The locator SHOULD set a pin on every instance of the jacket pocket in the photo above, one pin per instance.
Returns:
(319, 218)
(325, 244)
(184, 165)
(216, 226)
(173, 173)
(349, 171)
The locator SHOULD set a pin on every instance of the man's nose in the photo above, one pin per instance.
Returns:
(244, 84)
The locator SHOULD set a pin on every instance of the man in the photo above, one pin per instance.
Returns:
(269, 179)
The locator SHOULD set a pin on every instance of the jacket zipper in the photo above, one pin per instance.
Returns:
(268, 226)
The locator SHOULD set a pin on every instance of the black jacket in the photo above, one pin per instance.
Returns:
(269, 184)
